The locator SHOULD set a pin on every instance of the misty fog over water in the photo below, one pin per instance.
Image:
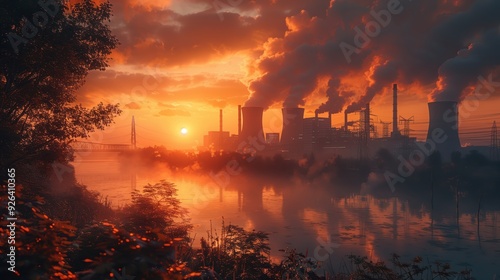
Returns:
(309, 215)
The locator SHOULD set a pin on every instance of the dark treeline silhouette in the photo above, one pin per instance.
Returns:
(472, 172)
(246, 164)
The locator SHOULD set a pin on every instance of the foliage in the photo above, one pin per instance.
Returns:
(104, 248)
(296, 265)
(39, 76)
(41, 242)
(147, 241)
(235, 254)
(156, 208)
(76, 204)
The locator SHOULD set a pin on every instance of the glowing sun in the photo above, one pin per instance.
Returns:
(184, 131)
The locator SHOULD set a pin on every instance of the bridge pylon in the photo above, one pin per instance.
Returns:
(133, 136)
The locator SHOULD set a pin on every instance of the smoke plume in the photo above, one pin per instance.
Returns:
(457, 73)
(426, 42)
(337, 97)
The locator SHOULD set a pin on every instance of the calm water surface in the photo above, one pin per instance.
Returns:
(308, 216)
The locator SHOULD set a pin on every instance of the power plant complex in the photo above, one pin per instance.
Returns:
(356, 138)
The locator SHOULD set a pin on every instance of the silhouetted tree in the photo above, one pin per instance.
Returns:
(147, 242)
(156, 211)
(46, 51)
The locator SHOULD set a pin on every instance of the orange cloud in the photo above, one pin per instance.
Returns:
(133, 106)
(174, 112)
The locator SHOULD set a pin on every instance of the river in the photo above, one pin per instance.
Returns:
(323, 221)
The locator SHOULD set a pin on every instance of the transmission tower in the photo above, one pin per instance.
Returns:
(133, 137)
(405, 148)
(364, 132)
(406, 125)
(374, 130)
(494, 142)
(385, 128)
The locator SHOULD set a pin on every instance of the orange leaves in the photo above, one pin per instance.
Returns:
(42, 216)
(192, 274)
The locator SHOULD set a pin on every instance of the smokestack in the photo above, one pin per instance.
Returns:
(329, 119)
(316, 115)
(252, 123)
(291, 136)
(220, 129)
(345, 120)
(367, 121)
(443, 128)
(395, 130)
(239, 120)
(220, 119)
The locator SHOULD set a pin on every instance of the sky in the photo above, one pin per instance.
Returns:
(180, 61)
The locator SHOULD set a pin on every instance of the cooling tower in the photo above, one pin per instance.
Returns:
(291, 136)
(239, 119)
(252, 123)
(443, 128)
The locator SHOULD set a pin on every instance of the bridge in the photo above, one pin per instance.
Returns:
(82, 146)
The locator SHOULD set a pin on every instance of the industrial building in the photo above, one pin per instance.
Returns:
(358, 137)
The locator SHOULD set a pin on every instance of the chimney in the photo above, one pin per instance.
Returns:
(443, 128)
(395, 130)
(252, 123)
(316, 116)
(220, 129)
(239, 120)
(291, 136)
(367, 121)
(220, 120)
(330, 119)
(345, 120)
